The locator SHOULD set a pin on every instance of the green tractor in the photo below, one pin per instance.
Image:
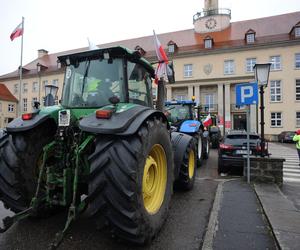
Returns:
(104, 150)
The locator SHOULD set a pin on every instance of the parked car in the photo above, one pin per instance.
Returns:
(2, 132)
(286, 136)
(232, 149)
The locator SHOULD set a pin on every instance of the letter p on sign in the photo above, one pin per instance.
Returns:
(246, 94)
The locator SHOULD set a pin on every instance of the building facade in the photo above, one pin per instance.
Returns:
(209, 60)
(8, 106)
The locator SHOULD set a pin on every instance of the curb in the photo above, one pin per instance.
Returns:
(212, 226)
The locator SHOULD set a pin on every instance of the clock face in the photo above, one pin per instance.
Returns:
(210, 23)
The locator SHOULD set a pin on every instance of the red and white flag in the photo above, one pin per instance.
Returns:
(162, 68)
(17, 32)
(207, 121)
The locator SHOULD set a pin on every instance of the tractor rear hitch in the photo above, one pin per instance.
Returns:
(10, 220)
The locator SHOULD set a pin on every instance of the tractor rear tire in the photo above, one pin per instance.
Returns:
(131, 182)
(19, 156)
(187, 170)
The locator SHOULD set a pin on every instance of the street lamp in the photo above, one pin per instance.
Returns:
(50, 94)
(262, 77)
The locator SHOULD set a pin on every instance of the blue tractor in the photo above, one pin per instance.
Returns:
(182, 117)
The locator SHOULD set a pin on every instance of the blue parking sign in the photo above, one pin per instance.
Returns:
(246, 93)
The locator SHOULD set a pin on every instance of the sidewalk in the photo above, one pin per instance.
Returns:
(252, 217)
(282, 214)
(237, 221)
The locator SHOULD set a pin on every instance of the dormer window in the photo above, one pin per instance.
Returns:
(250, 36)
(297, 31)
(140, 50)
(208, 42)
(172, 47)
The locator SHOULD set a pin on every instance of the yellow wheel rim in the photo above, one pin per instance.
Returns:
(154, 179)
(191, 163)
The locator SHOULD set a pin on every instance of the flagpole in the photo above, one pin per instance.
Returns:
(20, 70)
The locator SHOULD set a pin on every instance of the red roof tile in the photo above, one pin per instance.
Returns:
(5, 94)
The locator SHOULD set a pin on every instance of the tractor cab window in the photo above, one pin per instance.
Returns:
(178, 113)
(139, 85)
(91, 83)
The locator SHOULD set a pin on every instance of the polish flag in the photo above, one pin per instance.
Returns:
(17, 32)
(162, 68)
(207, 121)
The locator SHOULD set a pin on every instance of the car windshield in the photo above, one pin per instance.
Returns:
(91, 83)
(176, 113)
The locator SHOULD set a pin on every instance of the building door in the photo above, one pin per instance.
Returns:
(240, 122)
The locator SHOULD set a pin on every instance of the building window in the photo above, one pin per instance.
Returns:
(35, 87)
(250, 38)
(55, 82)
(180, 97)
(208, 43)
(45, 83)
(297, 119)
(209, 102)
(188, 70)
(16, 88)
(297, 32)
(24, 104)
(298, 90)
(250, 62)
(25, 87)
(275, 91)
(10, 107)
(297, 61)
(228, 67)
(34, 99)
(275, 62)
(276, 119)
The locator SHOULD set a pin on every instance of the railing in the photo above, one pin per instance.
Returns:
(209, 108)
(211, 12)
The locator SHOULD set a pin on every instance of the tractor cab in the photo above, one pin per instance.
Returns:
(97, 78)
(179, 111)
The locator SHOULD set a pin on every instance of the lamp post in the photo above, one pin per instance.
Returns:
(50, 93)
(262, 77)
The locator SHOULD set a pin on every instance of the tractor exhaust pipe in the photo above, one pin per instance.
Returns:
(160, 95)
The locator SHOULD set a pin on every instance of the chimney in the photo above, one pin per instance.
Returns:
(211, 4)
(42, 52)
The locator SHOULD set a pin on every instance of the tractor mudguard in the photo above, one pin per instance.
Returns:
(123, 123)
(19, 125)
(179, 142)
(190, 126)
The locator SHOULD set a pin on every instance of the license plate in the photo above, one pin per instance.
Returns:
(64, 118)
(242, 152)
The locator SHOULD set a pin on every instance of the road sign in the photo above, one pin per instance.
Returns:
(246, 93)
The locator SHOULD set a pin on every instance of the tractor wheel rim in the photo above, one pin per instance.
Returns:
(199, 148)
(154, 179)
(191, 164)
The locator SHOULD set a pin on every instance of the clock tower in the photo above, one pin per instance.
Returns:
(212, 18)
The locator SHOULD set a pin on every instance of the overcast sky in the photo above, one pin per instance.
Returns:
(59, 25)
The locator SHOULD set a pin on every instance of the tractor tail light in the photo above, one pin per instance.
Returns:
(27, 116)
(103, 114)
